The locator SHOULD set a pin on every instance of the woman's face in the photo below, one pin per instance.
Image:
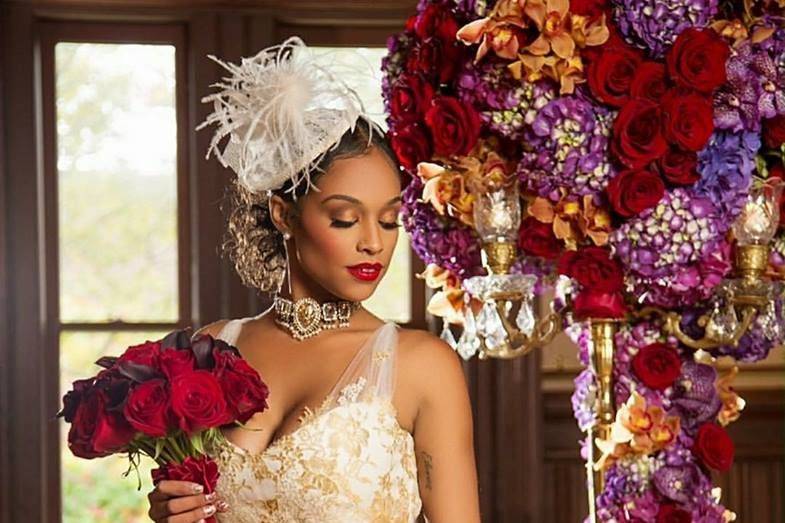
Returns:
(345, 233)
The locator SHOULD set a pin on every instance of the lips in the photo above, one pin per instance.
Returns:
(366, 271)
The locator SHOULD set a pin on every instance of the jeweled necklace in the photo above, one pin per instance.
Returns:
(305, 317)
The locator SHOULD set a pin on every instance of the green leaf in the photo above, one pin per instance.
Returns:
(159, 446)
(197, 444)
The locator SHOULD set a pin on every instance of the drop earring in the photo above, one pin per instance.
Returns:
(286, 238)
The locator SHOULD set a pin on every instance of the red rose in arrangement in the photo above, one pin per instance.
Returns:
(611, 73)
(679, 167)
(95, 432)
(697, 59)
(650, 81)
(454, 126)
(537, 238)
(637, 134)
(657, 366)
(593, 268)
(147, 408)
(435, 58)
(435, 21)
(198, 401)
(411, 145)
(411, 98)
(714, 447)
(774, 132)
(673, 514)
(631, 192)
(589, 8)
(245, 392)
(144, 354)
(689, 119)
(174, 362)
(596, 304)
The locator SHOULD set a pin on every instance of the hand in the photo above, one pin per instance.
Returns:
(182, 502)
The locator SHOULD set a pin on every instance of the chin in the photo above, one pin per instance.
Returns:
(351, 289)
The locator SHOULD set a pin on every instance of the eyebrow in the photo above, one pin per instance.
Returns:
(355, 201)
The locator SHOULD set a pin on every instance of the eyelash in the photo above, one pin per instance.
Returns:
(341, 224)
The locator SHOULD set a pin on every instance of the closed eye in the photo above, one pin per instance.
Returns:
(342, 224)
(389, 225)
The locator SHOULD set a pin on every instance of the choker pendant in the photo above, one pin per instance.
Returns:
(306, 318)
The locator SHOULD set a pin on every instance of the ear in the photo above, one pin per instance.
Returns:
(281, 214)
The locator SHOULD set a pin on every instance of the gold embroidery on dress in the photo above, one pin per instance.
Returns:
(348, 461)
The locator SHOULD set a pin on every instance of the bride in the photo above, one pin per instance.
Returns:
(367, 422)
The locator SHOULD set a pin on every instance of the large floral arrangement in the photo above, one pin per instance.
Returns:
(635, 130)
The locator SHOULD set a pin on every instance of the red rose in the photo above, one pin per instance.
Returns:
(198, 401)
(697, 59)
(537, 238)
(593, 268)
(637, 134)
(611, 74)
(650, 82)
(631, 192)
(657, 366)
(245, 392)
(435, 59)
(435, 21)
(144, 354)
(201, 470)
(689, 119)
(595, 304)
(73, 398)
(714, 447)
(411, 145)
(174, 362)
(673, 514)
(411, 97)
(95, 432)
(774, 132)
(147, 408)
(679, 167)
(454, 126)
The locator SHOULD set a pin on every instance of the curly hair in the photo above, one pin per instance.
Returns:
(253, 243)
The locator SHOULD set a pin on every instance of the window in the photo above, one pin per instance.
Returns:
(121, 276)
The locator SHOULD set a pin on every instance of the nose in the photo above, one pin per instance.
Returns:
(371, 240)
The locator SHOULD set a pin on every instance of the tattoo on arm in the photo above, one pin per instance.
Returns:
(427, 461)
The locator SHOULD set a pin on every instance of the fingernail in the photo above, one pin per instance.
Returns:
(209, 510)
(223, 506)
(197, 488)
(210, 497)
(200, 521)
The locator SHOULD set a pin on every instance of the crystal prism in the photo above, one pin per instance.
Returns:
(447, 336)
(525, 318)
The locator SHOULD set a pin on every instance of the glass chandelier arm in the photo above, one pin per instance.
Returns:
(518, 343)
(672, 325)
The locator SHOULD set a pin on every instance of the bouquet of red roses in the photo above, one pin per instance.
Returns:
(166, 399)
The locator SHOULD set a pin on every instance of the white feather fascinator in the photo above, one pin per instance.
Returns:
(282, 111)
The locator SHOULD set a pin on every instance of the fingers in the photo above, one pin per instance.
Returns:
(168, 489)
(192, 516)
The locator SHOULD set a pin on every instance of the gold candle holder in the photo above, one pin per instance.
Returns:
(602, 351)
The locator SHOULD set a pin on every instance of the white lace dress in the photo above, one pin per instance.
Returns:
(349, 461)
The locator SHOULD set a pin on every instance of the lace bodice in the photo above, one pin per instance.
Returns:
(349, 461)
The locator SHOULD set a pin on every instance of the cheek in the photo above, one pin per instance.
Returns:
(322, 246)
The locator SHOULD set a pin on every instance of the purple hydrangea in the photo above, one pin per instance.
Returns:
(568, 148)
(694, 396)
(466, 10)
(755, 89)
(506, 106)
(673, 253)
(628, 495)
(439, 240)
(653, 25)
(725, 166)
(584, 398)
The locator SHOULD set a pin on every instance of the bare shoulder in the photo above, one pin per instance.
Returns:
(427, 360)
(212, 328)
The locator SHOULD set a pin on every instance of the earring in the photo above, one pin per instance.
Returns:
(286, 237)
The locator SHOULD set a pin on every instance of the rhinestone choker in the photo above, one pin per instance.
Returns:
(305, 317)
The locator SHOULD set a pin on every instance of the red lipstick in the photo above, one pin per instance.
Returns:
(366, 271)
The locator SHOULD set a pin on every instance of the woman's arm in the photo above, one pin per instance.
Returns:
(443, 434)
